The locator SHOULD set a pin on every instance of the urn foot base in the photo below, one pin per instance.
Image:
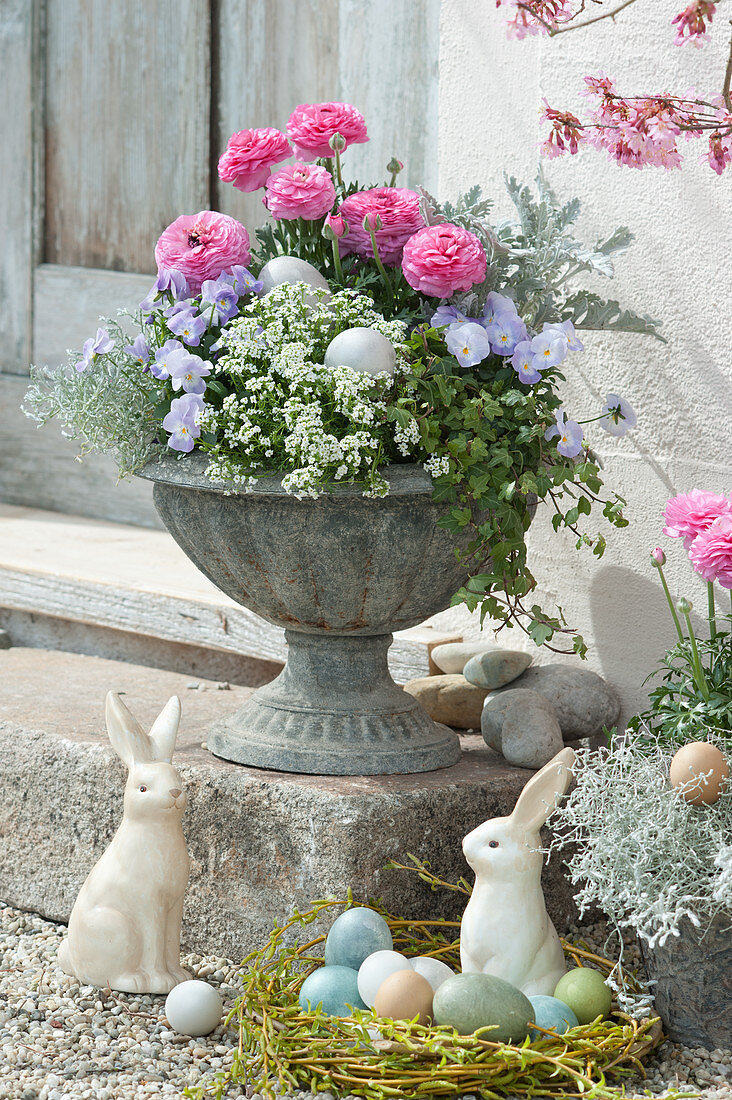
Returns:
(334, 710)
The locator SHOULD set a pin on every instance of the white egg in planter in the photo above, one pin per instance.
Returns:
(194, 1008)
(291, 269)
(361, 349)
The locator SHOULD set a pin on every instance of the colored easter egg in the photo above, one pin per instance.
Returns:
(362, 349)
(334, 988)
(699, 771)
(434, 970)
(585, 992)
(552, 1014)
(404, 995)
(291, 269)
(193, 1008)
(375, 969)
(471, 1001)
(355, 935)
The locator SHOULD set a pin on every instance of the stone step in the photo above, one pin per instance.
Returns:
(261, 842)
(130, 592)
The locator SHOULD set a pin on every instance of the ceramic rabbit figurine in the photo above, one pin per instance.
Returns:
(124, 929)
(505, 929)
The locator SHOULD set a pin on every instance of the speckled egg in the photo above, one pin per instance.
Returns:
(700, 772)
(434, 970)
(471, 1001)
(404, 995)
(585, 992)
(335, 988)
(375, 969)
(354, 936)
(291, 269)
(193, 1008)
(362, 349)
(552, 1014)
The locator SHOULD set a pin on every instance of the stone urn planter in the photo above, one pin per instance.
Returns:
(340, 573)
(693, 990)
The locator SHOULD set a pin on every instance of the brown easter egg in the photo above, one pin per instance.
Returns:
(404, 995)
(699, 772)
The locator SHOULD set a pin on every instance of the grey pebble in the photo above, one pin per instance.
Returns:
(496, 668)
(583, 701)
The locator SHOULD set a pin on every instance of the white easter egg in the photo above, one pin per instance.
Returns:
(434, 970)
(193, 1008)
(361, 349)
(374, 971)
(291, 269)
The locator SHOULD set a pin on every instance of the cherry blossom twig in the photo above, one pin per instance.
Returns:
(552, 29)
(727, 86)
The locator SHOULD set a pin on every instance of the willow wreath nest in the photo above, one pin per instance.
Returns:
(281, 1048)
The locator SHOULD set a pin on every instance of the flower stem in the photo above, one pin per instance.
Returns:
(677, 622)
(337, 261)
(379, 264)
(712, 611)
(339, 174)
(696, 665)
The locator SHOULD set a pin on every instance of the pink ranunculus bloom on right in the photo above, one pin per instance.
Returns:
(711, 552)
(398, 209)
(442, 259)
(312, 125)
(689, 514)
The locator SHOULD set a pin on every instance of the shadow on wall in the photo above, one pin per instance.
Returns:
(632, 628)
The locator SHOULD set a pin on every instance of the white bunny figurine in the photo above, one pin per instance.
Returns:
(505, 929)
(124, 929)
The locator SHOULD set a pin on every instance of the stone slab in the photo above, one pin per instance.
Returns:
(261, 842)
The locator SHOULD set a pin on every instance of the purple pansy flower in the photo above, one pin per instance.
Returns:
(567, 328)
(523, 362)
(569, 433)
(549, 348)
(468, 342)
(94, 346)
(222, 296)
(172, 281)
(187, 371)
(160, 368)
(505, 333)
(182, 306)
(497, 306)
(139, 350)
(181, 421)
(242, 280)
(618, 415)
(448, 315)
(189, 325)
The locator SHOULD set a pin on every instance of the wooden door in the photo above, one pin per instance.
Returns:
(119, 112)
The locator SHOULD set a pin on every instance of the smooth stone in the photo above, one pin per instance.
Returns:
(498, 667)
(552, 1014)
(334, 988)
(583, 701)
(452, 657)
(522, 725)
(361, 349)
(355, 935)
(471, 1001)
(450, 700)
(291, 269)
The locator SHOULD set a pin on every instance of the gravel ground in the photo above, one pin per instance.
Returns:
(62, 1041)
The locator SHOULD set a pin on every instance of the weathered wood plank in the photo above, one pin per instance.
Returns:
(140, 581)
(38, 467)
(17, 39)
(127, 126)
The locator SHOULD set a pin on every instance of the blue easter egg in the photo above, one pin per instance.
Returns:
(335, 988)
(354, 936)
(552, 1013)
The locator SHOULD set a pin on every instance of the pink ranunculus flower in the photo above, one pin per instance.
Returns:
(400, 216)
(201, 246)
(442, 259)
(711, 552)
(250, 156)
(300, 191)
(312, 125)
(688, 514)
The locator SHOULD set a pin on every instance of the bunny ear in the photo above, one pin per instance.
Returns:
(128, 738)
(540, 795)
(165, 730)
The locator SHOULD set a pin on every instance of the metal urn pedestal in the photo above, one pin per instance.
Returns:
(340, 573)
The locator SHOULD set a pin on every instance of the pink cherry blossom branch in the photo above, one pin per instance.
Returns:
(552, 29)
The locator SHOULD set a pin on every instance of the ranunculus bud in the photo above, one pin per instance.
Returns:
(335, 227)
(684, 606)
(372, 221)
(658, 557)
(394, 166)
(337, 142)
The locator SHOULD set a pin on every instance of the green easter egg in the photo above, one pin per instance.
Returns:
(355, 935)
(335, 988)
(470, 1001)
(584, 990)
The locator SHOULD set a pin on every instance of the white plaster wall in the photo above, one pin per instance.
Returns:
(679, 270)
